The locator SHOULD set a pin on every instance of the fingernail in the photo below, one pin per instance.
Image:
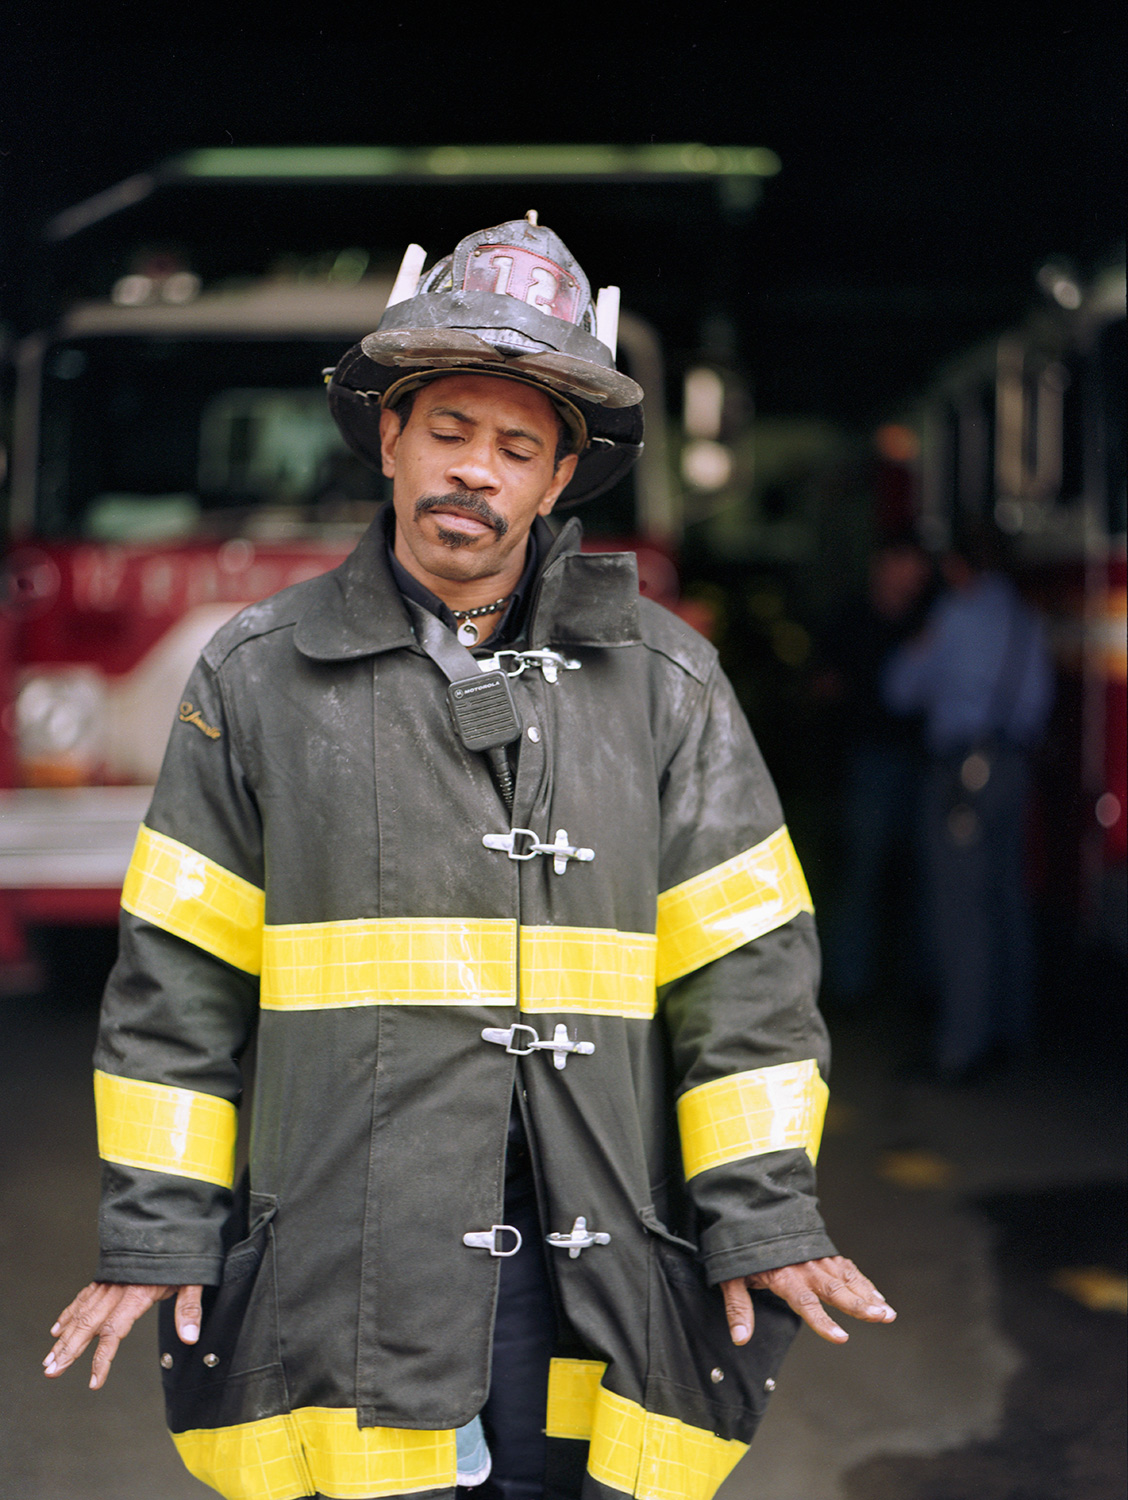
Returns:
(93, 1382)
(189, 1333)
(49, 1364)
(877, 1309)
(56, 1328)
(838, 1333)
(740, 1334)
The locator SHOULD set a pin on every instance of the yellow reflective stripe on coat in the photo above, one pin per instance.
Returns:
(596, 970)
(165, 1129)
(317, 1448)
(654, 1457)
(189, 895)
(389, 961)
(573, 1386)
(746, 1114)
(729, 905)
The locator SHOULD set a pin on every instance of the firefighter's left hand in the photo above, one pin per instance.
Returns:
(805, 1287)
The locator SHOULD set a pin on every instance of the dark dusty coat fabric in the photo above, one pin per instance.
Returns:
(378, 1136)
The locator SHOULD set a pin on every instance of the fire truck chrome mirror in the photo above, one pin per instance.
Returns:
(490, 1239)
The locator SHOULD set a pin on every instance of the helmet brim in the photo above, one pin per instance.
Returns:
(359, 384)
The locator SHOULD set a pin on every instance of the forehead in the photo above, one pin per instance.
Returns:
(488, 399)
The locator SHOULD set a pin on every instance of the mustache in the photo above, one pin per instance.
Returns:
(465, 500)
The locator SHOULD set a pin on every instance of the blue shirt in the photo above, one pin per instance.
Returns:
(980, 668)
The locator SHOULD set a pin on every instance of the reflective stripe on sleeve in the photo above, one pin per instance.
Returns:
(595, 970)
(389, 961)
(165, 1129)
(746, 1114)
(656, 1458)
(725, 907)
(187, 894)
(317, 1448)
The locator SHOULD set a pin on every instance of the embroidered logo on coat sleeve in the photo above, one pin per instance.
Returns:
(191, 715)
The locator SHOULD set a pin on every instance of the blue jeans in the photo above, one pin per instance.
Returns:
(880, 802)
(979, 927)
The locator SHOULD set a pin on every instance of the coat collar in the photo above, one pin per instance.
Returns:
(580, 599)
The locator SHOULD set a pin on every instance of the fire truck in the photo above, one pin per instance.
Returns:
(173, 459)
(1027, 432)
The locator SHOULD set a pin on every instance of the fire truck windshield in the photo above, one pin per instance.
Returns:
(155, 439)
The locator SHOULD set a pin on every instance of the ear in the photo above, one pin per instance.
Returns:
(560, 481)
(389, 440)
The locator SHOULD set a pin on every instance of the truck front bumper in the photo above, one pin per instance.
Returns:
(78, 838)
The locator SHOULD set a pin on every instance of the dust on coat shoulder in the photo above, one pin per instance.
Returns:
(313, 873)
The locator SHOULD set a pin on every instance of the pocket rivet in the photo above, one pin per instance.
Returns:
(716, 1375)
(769, 1384)
(166, 1361)
(211, 1360)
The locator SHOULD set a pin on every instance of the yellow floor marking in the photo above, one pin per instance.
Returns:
(919, 1170)
(1096, 1287)
(841, 1119)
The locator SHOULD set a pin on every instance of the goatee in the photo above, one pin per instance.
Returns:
(466, 501)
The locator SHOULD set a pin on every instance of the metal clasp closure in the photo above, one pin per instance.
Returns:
(551, 663)
(490, 1239)
(578, 1238)
(522, 843)
(560, 1046)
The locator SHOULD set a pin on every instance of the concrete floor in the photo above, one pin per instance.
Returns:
(989, 1374)
(907, 1172)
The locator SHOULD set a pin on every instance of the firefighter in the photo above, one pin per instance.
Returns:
(479, 846)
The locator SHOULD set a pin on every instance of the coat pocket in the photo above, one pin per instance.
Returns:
(695, 1371)
(233, 1373)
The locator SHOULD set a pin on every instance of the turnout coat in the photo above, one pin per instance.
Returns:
(312, 875)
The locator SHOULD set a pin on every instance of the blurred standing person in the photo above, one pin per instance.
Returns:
(980, 672)
(882, 755)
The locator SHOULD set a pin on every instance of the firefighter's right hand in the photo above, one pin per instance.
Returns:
(107, 1310)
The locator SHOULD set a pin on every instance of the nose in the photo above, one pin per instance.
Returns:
(474, 466)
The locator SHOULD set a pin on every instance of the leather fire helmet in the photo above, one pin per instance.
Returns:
(510, 301)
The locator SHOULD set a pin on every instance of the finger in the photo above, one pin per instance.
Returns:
(846, 1289)
(134, 1301)
(78, 1323)
(189, 1313)
(738, 1309)
(109, 1341)
(802, 1300)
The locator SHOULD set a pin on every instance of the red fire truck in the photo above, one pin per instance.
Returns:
(172, 460)
(1028, 432)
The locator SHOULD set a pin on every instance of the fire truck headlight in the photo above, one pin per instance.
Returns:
(61, 726)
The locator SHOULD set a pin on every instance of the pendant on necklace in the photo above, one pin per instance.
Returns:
(468, 633)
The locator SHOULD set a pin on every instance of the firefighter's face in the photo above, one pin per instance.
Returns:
(471, 469)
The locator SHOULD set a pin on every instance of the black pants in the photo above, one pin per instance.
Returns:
(524, 1335)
